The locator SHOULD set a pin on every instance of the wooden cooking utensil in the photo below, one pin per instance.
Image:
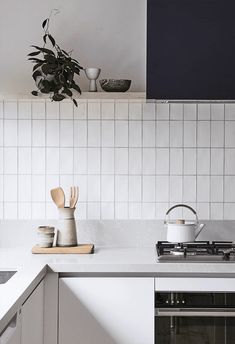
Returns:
(58, 197)
(73, 196)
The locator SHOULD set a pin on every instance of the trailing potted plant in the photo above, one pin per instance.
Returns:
(54, 69)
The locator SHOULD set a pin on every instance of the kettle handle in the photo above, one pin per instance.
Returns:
(181, 205)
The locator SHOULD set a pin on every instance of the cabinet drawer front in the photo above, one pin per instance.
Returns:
(106, 310)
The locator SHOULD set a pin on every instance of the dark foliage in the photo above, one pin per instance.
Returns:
(54, 69)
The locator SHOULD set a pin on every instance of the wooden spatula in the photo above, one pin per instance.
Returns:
(58, 197)
(73, 196)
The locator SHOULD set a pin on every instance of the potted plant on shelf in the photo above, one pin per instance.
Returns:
(54, 69)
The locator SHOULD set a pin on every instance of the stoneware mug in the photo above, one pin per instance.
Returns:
(66, 228)
(45, 236)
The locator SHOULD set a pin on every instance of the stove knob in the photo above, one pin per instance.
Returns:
(172, 302)
(167, 301)
(183, 302)
(177, 301)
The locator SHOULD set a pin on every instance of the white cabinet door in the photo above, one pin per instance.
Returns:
(32, 317)
(106, 310)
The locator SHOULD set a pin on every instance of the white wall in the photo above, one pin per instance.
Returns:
(109, 34)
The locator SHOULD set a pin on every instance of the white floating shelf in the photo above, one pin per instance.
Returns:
(85, 95)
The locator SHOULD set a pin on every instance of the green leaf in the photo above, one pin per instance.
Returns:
(77, 71)
(46, 86)
(75, 102)
(67, 91)
(50, 58)
(36, 47)
(76, 87)
(62, 79)
(51, 39)
(34, 59)
(77, 64)
(36, 74)
(44, 90)
(44, 50)
(58, 97)
(44, 23)
(74, 60)
(70, 75)
(34, 93)
(34, 53)
(65, 52)
(46, 69)
(45, 38)
(37, 65)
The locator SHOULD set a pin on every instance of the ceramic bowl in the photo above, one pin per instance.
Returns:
(115, 85)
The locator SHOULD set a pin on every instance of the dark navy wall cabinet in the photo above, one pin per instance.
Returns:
(191, 49)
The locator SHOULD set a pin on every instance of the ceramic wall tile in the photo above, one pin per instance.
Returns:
(24, 133)
(131, 159)
(52, 133)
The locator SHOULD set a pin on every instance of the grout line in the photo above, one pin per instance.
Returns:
(128, 145)
(148, 147)
(121, 174)
(73, 148)
(17, 163)
(31, 157)
(87, 110)
(156, 160)
(59, 147)
(224, 123)
(100, 128)
(137, 202)
(169, 155)
(182, 164)
(196, 157)
(45, 161)
(210, 179)
(114, 156)
(142, 167)
(3, 159)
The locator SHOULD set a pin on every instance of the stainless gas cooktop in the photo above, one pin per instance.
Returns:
(198, 251)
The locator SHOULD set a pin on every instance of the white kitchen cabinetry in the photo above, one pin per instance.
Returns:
(32, 317)
(106, 310)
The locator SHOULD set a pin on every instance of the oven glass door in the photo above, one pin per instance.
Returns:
(195, 318)
(195, 330)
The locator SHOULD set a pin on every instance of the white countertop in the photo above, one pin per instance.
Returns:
(105, 261)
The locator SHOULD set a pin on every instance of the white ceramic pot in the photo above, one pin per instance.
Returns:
(66, 229)
(181, 230)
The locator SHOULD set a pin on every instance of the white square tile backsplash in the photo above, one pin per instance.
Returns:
(131, 159)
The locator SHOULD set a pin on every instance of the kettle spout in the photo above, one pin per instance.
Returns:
(199, 229)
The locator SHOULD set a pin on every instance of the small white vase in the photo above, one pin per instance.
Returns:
(92, 74)
(66, 229)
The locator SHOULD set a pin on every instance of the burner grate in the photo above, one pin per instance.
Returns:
(222, 250)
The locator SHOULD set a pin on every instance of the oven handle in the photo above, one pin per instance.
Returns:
(195, 312)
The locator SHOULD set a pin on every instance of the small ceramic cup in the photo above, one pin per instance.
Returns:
(45, 236)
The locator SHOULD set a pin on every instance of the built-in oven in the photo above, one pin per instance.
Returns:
(194, 317)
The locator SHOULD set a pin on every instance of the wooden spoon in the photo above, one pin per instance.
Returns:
(58, 197)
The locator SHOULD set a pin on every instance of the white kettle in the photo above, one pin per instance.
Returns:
(182, 230)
